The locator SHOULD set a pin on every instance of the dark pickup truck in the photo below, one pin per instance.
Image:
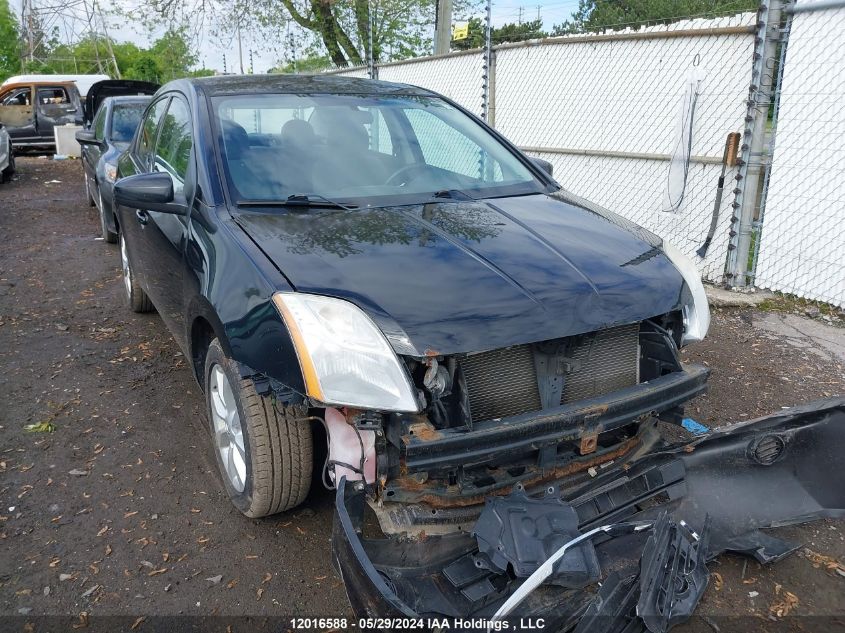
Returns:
(31, 110)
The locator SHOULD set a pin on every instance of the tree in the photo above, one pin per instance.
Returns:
(594, 15)
(507, 33)
(171, 56)
(309, 64)
(10, 61)
(341, 27)
(401, 28)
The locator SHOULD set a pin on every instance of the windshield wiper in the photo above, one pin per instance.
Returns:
(453, 194)
(311, 200)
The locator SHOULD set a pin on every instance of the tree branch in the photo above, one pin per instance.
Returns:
(300, 19)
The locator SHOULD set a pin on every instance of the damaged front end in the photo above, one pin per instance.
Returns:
(616, 545)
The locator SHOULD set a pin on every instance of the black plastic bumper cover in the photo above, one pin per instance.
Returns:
(779, 470)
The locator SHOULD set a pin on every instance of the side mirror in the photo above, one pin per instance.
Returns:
(545, 165)
(86, 137)
(151, 192)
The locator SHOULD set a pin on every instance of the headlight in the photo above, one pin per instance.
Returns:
(110, 171)
(697, 314)
(344, 357)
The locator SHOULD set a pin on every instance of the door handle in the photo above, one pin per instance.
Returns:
(141, 216)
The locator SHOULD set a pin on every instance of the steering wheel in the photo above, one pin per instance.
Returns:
(396, 177)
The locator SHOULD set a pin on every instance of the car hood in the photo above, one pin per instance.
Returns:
(113, 88)
(462, 276)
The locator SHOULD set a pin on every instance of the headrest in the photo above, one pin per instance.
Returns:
(298, 134)
(235, 139)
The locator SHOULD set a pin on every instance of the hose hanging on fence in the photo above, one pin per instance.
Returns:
(676, 179)
(728, 160)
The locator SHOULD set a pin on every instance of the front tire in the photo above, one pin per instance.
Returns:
(9, 171)
(136, 298)
(109, 236)
(88, 195)
(264, 451)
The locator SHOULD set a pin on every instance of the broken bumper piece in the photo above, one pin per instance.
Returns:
(699, 499)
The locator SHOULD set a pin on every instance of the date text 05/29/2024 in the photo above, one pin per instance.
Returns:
(421, 624)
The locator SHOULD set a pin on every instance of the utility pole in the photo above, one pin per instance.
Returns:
(520, 14)
(29, 21)
(108, 39)
(224, 63)
(292, 43)
(251, 66)
(486, 74)
(240, 49)
(93, 32)
(753, 163)
(443, 27)
(371, 65)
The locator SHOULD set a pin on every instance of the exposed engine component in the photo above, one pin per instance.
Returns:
(538, 376)
(352, 451)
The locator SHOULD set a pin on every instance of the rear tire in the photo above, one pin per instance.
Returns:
(267, 460)
(136, 298)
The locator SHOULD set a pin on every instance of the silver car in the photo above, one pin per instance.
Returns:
(7, 157)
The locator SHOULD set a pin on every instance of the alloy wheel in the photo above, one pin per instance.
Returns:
(127, 272)
(228, 434)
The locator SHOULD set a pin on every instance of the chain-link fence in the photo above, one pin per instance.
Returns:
(635, 120)
(639, 121)
(801, 221)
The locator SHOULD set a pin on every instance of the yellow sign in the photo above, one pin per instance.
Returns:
(460, 31)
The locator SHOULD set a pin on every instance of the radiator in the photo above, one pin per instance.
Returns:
(503, 382)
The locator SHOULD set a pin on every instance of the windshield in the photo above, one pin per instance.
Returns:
(362, 149)
(124, 120)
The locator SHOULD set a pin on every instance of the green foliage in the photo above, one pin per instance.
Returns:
(169, 57)
(596, 15)
(310, 64)
(173, 53)
(9, 42)
(511, 32)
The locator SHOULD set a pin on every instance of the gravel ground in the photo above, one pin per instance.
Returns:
(119, 510)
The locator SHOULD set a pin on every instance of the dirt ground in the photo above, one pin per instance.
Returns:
(119, 511)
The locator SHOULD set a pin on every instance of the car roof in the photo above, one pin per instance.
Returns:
(299, 84)
(38, 84)
(128, 99)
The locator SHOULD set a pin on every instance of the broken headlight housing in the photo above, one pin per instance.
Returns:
(344, 357)
(110, 171)
(696, 313)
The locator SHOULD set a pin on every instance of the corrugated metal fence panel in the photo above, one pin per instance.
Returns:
(802, 247)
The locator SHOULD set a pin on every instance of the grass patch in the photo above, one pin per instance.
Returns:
(783, 302)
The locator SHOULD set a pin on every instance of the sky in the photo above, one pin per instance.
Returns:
(266, 54)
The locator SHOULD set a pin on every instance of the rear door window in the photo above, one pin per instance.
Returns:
(53, 96)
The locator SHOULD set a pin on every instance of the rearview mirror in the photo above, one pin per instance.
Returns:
(545, 165)
(86, 137)
(151, 192)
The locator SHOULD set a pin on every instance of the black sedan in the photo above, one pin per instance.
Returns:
(111, 114)
(486, 354)
(370, 257)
